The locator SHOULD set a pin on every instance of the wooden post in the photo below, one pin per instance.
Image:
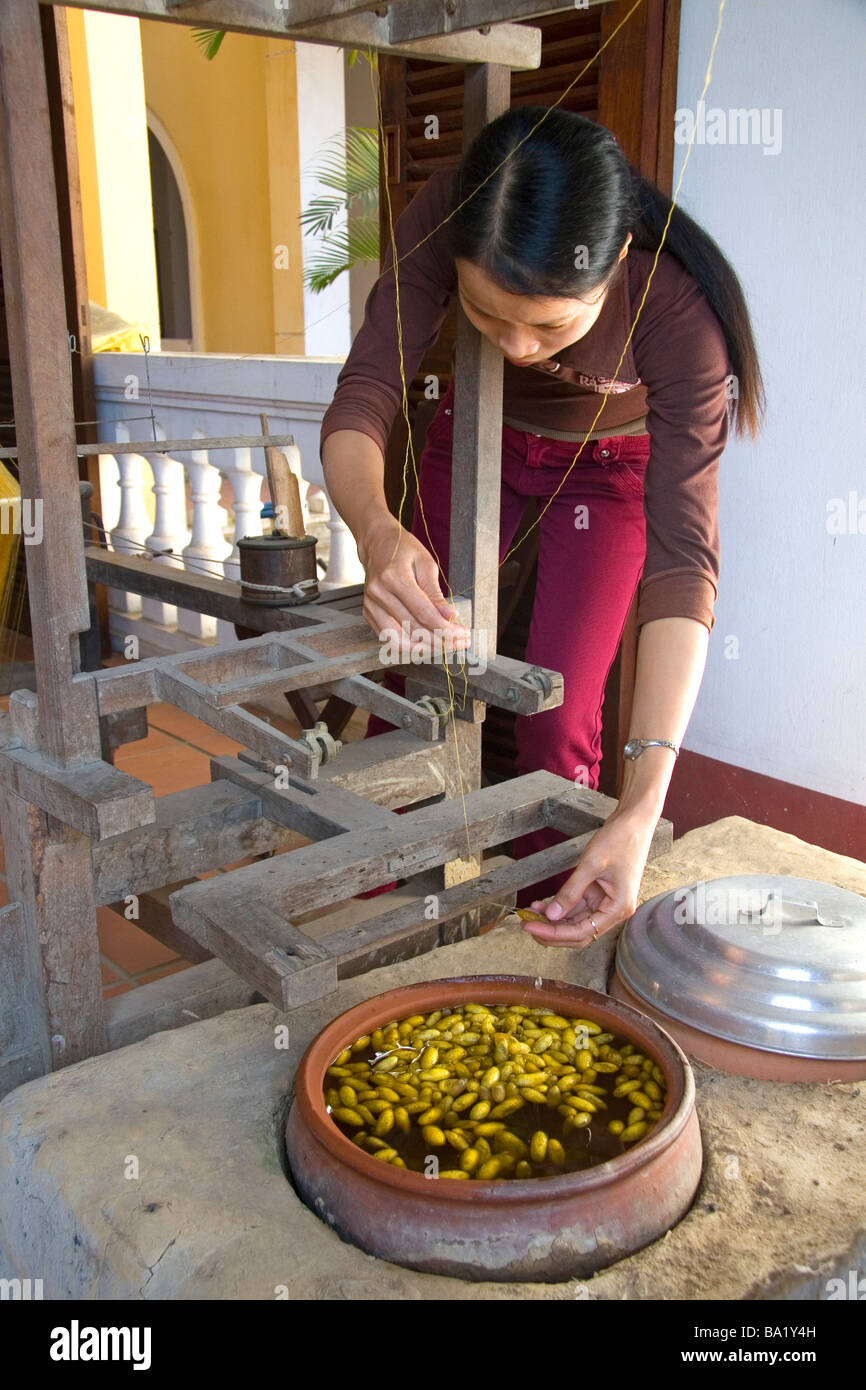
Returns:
(42, 389)
(48, 865)
(477, 458)
(473, 567)
(48, 871)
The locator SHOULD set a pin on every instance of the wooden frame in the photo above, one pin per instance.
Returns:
(346, 23)
(78, 832)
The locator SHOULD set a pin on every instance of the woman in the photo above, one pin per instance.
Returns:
(550, 249)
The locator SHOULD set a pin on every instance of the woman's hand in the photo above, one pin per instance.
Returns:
(403, 588)
(603, 888)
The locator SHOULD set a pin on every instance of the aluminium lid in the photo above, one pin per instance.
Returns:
(769, 961)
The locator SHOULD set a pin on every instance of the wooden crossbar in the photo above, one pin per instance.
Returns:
(343, 23)
(247, 917)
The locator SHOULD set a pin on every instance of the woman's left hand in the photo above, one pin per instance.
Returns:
(603, 888)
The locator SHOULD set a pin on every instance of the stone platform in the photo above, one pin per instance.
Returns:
(157, 1171)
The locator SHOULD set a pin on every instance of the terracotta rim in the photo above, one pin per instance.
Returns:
(495, 989)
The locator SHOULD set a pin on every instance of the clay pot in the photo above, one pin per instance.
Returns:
(736, 1057)
(540, 1229)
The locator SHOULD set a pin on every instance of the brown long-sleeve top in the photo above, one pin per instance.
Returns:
(673, 373)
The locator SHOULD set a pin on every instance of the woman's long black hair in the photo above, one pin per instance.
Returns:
(569, 186)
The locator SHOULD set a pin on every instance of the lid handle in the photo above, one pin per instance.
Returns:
(749, 914)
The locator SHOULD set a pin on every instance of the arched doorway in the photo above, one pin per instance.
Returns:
(172, 251)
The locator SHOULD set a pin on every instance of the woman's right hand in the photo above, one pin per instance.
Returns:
(403, 589)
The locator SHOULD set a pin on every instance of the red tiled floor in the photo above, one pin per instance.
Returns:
(169, 769)
(184, 726)
(127, 946)
(155, 739)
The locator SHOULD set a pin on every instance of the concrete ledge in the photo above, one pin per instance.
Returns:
(195, 1116)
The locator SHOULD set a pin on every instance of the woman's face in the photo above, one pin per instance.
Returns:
(525, 328)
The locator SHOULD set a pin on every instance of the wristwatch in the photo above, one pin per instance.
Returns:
(635, 746)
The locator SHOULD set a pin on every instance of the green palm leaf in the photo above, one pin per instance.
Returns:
(350, 245)
(209, 40)
(349, 165)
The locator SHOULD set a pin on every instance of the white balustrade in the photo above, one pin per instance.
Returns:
(344, 567)
(208, 548)
(170, 533)
(246, 486)
(205, 500)
(132, 476)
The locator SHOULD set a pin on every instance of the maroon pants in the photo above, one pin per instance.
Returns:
(592, 544)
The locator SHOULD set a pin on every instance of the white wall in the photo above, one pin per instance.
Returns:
(321, 115)
(793, 596)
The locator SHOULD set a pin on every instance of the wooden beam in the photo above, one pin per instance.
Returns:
(208, 989)
(332, 646)
(201, 593)
(477, 451)
(42, 388)
(268, 951)
(171, 446)
(317, 875)
(419, 19)
(313, 811)
(130, 726)
(271, 743)
(473, 566)
(300, 14)
(397, 710)
(367, 943)
(25, 1050)
(251, 934)
(392, 769)
(193, 832)
(48, 872)
(502, 682)
(366, 947)
(203, 991)
(58, 70)
(509, 44)
(96, 799)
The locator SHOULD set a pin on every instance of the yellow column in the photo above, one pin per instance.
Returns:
(108, 86)
(281, 97)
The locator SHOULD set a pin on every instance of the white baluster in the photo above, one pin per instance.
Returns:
(133, 524)
(344, 567)
(246, 487)
(317, 500)
(170, 531)
(246, 504)
(208, 547)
